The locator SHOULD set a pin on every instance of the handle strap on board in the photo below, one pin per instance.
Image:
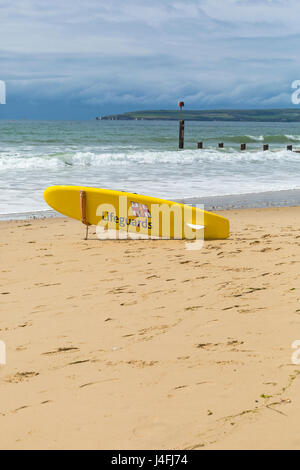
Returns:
(83, 210)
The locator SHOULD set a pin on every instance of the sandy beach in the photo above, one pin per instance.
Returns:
(145, 345)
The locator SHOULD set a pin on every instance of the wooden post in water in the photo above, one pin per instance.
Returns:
(221, 145)
(266, 147)
(181, 134)
(243, 146)
(200, 145)
(181, 126)
(289, 147)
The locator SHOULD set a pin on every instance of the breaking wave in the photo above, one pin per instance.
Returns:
(186, 157)
(269, 139)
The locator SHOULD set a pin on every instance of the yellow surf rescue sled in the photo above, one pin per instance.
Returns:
(136, 213)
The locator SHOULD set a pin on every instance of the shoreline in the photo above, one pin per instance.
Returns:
(284, 198)
(262, 200)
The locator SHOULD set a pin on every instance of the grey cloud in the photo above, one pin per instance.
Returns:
(213, 53)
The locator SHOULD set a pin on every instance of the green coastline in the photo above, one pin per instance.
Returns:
(238, 115)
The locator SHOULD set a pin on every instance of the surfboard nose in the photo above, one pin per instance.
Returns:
(48, 195)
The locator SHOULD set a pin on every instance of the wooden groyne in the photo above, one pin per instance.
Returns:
(200, 145)
(243, 147)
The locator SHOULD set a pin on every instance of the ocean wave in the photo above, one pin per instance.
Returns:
(244, 139)
(259, 138)
(295, 138)
(157, 158)
(33, 162)
(248, 139)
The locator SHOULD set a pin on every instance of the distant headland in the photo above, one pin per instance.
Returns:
(240, 115)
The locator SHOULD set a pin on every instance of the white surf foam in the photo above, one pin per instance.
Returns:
(255, 138)
(295, 138)
(186, 157)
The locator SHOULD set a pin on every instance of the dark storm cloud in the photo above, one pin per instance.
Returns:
(133, 54)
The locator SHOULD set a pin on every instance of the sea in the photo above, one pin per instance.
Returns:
(143, 157)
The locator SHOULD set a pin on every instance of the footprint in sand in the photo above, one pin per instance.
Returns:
(60, 350)
(21, 377)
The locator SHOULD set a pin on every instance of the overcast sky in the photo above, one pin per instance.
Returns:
(77, 59)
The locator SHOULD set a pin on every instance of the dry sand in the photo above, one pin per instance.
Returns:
(144, 345)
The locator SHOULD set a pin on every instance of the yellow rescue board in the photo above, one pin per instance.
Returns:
(136, 213)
